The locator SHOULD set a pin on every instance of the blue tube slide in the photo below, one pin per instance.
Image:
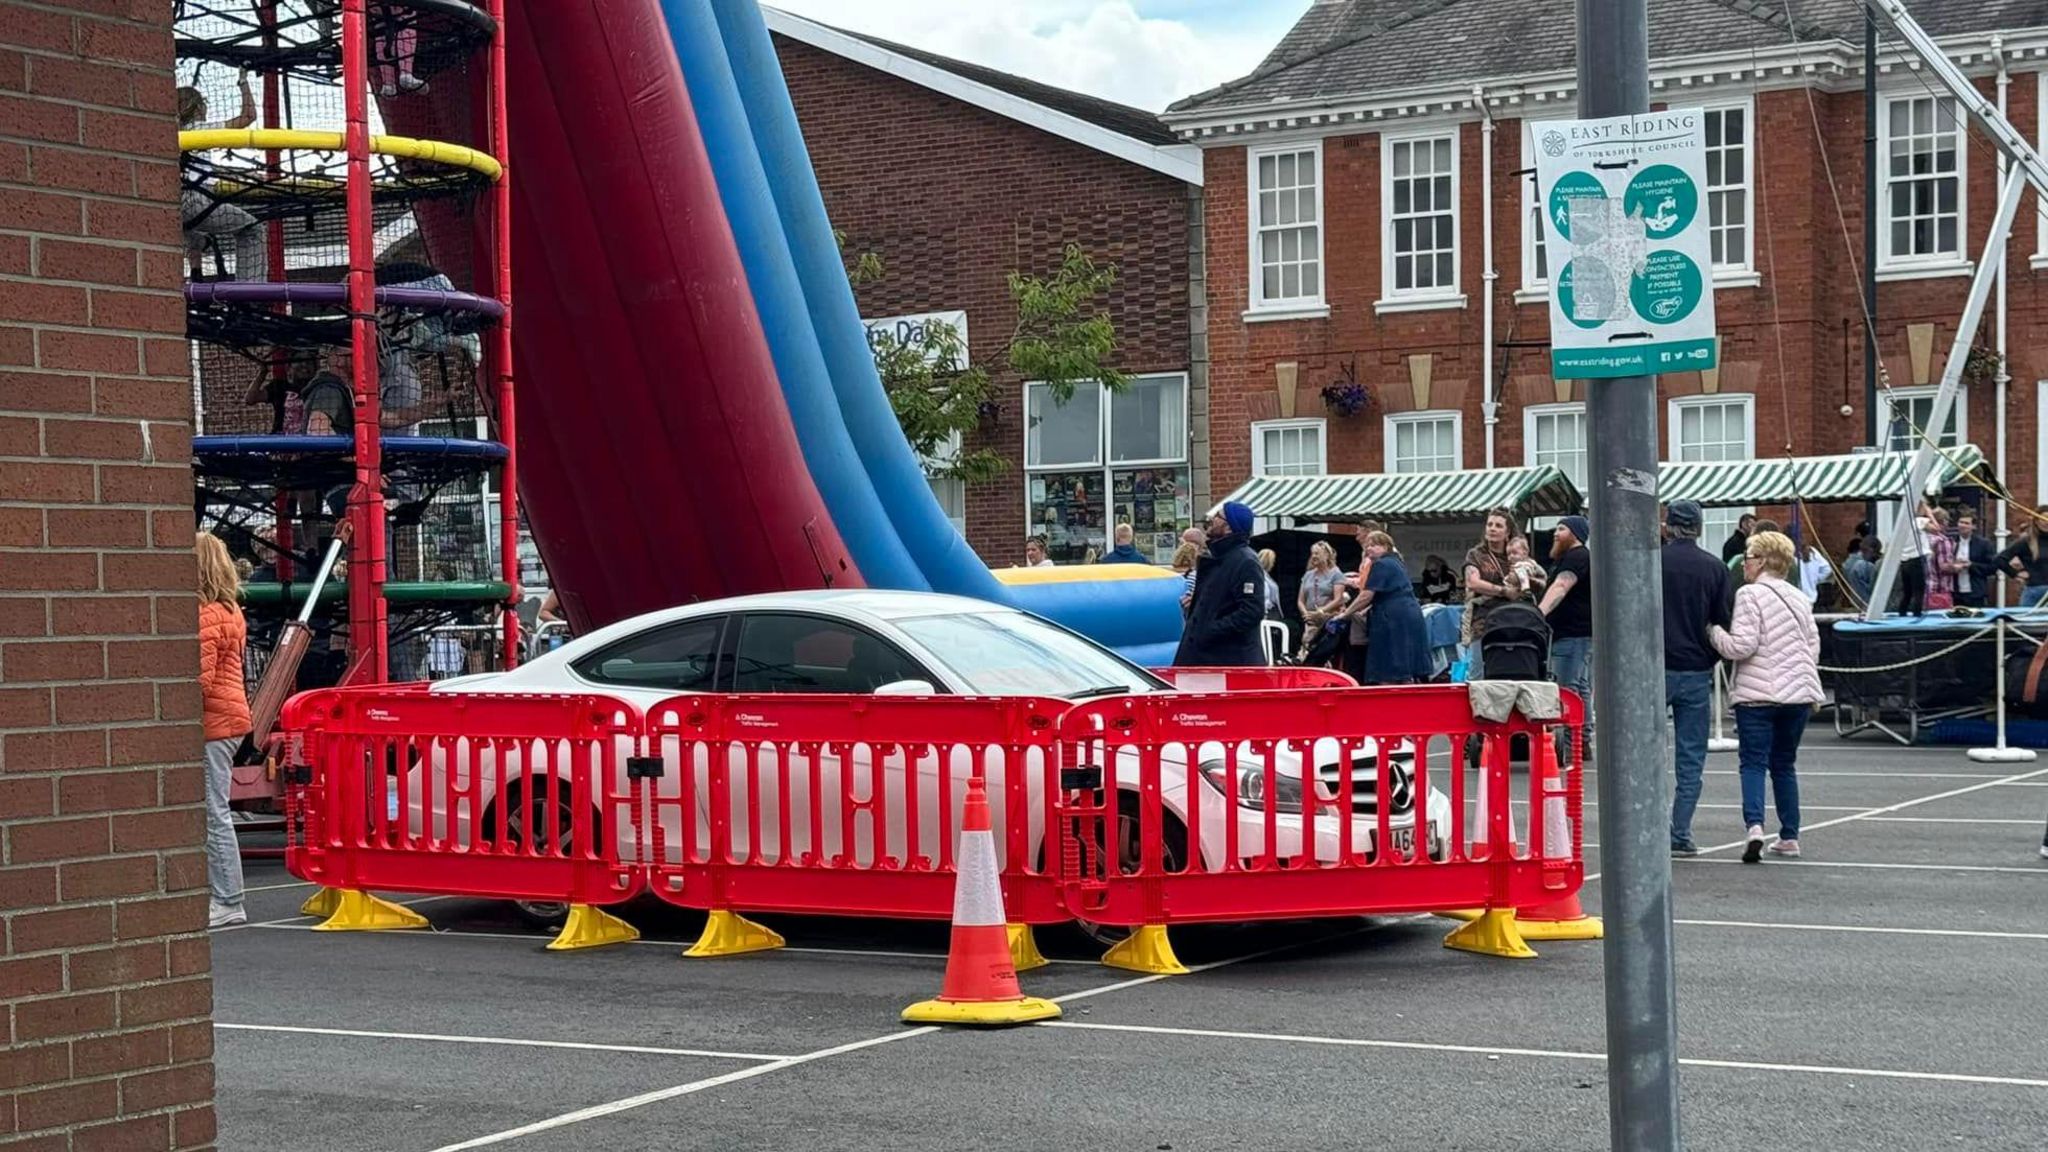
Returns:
(830, 454)
(1140, 616)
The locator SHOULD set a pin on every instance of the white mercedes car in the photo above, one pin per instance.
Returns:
(922, 645)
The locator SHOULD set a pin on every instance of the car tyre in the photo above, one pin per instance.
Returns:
(1173, 854)
(547, 914)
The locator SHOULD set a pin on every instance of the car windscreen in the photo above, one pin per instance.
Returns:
(1011, 654)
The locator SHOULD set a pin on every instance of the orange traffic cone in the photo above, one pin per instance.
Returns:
(981, 980)
(1563, 919)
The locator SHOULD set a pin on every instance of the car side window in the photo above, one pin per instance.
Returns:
(677, 658)
(789, 653)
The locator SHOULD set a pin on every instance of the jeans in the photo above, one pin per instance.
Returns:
(1571, 665)
(1474, 668)
(223, 854)
(1770, 743)
(2033, 594)
(1690, 696)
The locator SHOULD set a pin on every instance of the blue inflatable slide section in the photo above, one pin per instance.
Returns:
(872, 484)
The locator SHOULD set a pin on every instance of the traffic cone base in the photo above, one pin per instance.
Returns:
(727, 933)
(1562, 919)
(1148, 950)
(1024, 953)
(986, 1013)
(589, 926)
(1493, 934)
(358, 911)
(321, 903)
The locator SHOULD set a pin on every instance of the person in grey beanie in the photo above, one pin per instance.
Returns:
(1696, 601)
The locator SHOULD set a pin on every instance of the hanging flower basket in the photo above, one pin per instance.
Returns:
(1346, 397)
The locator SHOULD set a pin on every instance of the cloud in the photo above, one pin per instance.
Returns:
(1105, 48)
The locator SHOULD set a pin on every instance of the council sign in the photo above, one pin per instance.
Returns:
(1625, 208)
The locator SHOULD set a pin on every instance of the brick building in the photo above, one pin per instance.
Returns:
(956, 176)
(1368, 215)
(105, 993)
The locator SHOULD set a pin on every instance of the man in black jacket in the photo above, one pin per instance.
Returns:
(1973, 584)
(1230, 597)
(1696, 597)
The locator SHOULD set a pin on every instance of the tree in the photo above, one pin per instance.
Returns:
(1062, 339)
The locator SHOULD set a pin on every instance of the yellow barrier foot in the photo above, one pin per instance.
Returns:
(357, 911)
(1146, 950)
(589, 926)
(1466, 914)
(1493, 934)
(727, 933)
(1579, 928)
(1024, 953)
(986, 1013)
(321, 903)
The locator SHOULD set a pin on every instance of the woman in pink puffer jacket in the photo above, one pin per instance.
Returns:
(1776, 650)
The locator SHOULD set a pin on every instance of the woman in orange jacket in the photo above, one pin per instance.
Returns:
(224, 713)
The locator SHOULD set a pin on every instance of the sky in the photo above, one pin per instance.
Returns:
(1146, 53)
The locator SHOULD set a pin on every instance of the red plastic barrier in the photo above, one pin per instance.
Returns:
(504, 796)
(1211, 793)
(1253, 679)
(846, 805)
(1130, 810)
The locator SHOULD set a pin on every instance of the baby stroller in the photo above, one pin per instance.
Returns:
(1515, 646)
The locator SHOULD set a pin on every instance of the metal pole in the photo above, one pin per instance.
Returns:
(1870, 431)
(1628, 673)
(1720, 741)
(366, 500)
(498, 356)
(2000, 753)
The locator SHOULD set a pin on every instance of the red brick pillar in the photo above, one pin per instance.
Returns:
(105, 991)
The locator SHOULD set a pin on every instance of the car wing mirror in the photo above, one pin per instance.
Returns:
(907, 688)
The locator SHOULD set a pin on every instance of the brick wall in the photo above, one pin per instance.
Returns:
(1793, 342)
(953, 199)
(105, 992)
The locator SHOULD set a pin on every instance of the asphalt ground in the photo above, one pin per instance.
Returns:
(1884, 993)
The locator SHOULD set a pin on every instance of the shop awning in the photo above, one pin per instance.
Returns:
(1854, 477)
(1413, 497)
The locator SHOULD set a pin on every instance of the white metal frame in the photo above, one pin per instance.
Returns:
(1674, 410)
(1535, 412)
(1393, 421)
(1887, 402)
(1440, 295)
(1304, 423)
(1255, 300)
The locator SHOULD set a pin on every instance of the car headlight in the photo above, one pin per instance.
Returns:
(1251, 786)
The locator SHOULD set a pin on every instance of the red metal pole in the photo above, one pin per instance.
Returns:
(366, 500)
(499, 357)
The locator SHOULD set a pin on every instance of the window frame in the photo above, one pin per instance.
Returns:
(720, 645)
(1535, 289)
(735, 635)
(1255, 298)
(1532, 415)
(1394, 299)
(1104, 468)
(1936, 262)
(1886, 411)
(1673, 411)
(1259, 428)
(1747, 106)
(1394, 420)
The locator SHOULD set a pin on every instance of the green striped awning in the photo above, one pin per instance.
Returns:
(1858, 476)
(1412, 497)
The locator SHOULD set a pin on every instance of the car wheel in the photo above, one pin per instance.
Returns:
(549, 914)
(1173, 856)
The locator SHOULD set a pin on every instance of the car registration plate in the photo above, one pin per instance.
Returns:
(1404, 841)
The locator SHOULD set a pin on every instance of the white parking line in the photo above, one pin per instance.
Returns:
(506, 1041)
(1804, 863)
(1546, 1053)
(2000, 782)
(278, 887)
(1948, 820)
(1865, 928)
(660, 1094)
(1804, 774)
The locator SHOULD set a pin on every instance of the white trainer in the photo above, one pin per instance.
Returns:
(219, 915)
